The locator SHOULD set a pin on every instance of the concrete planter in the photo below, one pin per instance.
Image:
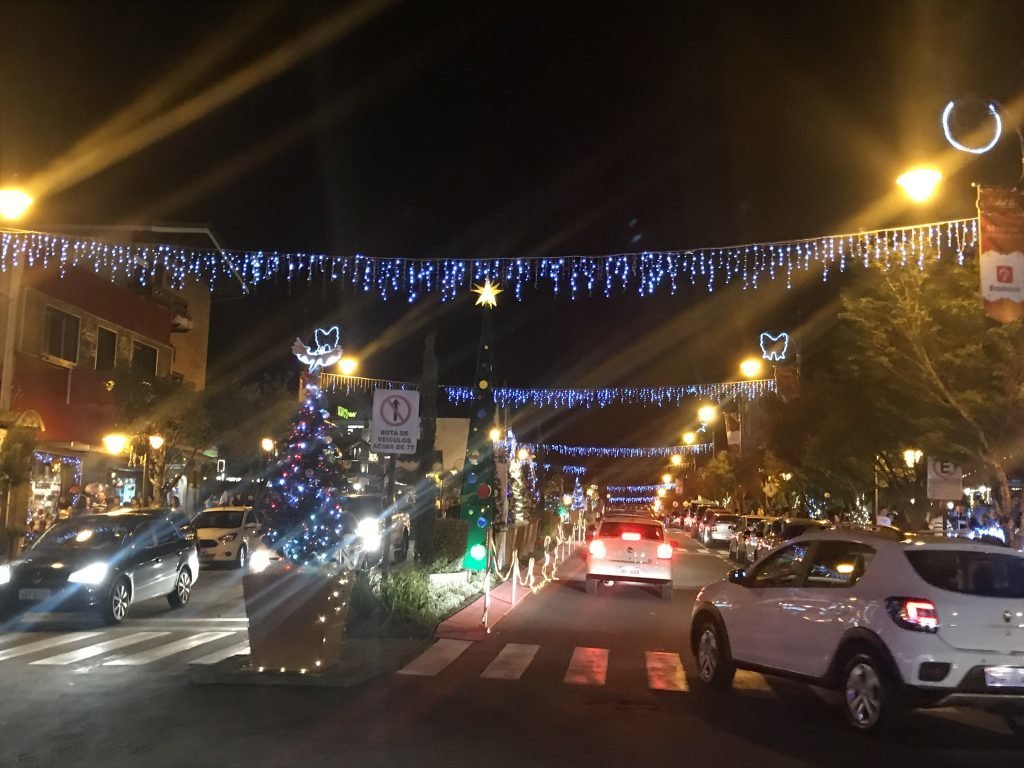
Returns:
(296, 618)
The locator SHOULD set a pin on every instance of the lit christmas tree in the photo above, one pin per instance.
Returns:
(579, 498)
(301, 506)
(523, 475)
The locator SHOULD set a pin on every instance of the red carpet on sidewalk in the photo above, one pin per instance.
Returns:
(466, 624)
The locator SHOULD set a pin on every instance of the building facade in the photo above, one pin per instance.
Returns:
(62, 339)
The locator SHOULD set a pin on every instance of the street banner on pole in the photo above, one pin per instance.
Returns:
(395, 423)
(945, 480)
(1001, 232)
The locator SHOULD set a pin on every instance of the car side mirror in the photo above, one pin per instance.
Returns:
(738, 576)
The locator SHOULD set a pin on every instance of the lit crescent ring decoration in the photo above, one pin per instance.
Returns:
(963, 147)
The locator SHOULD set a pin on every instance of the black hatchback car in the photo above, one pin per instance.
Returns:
(102, 562)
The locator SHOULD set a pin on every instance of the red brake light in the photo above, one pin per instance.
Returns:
(631, 536)
(665, 551)
(914, 613)
(597, 548)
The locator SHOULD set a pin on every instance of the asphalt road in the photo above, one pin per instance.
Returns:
(567, 679)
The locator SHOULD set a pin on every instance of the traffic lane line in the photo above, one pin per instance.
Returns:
(168, 649)
(42, 645)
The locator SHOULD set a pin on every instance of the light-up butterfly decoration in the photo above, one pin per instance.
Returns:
(326, 349)
(774, 346)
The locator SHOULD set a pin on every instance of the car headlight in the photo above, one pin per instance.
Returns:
(259, 561)
(94, 573)
(368, 530)
(5, 574)
(227, 537)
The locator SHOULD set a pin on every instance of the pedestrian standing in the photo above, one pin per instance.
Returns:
(883, 517)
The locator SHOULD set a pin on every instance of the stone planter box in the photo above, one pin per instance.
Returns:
(296, 618)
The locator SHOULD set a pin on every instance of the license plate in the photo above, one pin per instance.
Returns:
(33, 594)
(1004, 677)
(630, 571)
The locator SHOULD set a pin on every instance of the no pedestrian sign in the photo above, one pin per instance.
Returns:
(395, 424)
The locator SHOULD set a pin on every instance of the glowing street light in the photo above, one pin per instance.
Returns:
(495, 434)
(666, 478)
(919, 184)
(689, 438)
(662, 492)
(707, 413)
(156, 442)
(911, 457)
(348, 365)
(267, 444)
(115, 443)
(751, 367)
(523, 454)
(676, 459)
(567, 500)
(14, 203)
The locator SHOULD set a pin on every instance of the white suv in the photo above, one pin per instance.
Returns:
(889, 621)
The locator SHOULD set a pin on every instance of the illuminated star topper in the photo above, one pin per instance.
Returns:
(326, 349)
(488, 294)
(774, 346)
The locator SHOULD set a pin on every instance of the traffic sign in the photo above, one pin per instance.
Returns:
(945, 480)
(395, 423)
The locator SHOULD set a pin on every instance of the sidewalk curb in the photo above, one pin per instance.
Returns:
(363, 660)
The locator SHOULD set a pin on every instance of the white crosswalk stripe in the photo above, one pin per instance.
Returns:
(168, 649)
(665, 671)
(242, 649)
(42, 645)
(89, 651)
(511, 662)
(435, 658)
(588, 666)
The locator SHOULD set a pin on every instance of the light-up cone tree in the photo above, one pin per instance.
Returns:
(477, 501)
(297, 605)
(300, 506)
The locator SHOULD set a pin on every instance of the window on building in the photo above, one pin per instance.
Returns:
(61, 335)
(106, 349)
(144, 359)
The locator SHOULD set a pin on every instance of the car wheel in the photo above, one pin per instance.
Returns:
(714, 667)
(182, 589)
(242, 558)
(591, 586)
(119, 599)
(869, 701)
(403, 552)
(666, 591)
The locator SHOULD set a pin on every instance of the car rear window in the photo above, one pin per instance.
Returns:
(985, 574)
(730, 519)
(793, 530)
(614, 529)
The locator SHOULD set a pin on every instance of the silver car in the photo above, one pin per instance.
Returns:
(631, 550)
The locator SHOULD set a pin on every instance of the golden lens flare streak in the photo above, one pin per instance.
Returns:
(488, 294)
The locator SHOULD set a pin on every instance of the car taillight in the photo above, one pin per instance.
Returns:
(631, 536)
(597, 548)
(913, 613)
(664, 551)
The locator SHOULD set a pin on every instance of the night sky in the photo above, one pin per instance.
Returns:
(507, 128)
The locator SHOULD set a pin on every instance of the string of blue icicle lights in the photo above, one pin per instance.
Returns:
(637, 488)
(511, 397)
(592, 451)
(642, 274)
(631, 499)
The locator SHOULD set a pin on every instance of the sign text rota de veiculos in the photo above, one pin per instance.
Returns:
(395, 424)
